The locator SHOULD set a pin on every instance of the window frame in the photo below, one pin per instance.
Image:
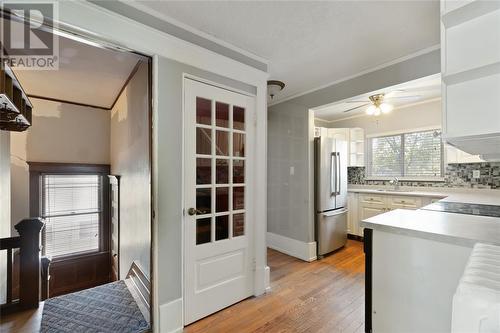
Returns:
(369, 154)
(38, 169)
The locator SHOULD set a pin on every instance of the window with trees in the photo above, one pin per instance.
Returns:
(415, 155)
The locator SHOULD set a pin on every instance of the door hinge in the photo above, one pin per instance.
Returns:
(254, 265)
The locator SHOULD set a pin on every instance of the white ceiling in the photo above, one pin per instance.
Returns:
(86, 74)
(399, 96)
(312, 43)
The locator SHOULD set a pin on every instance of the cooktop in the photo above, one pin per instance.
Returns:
(464, 208)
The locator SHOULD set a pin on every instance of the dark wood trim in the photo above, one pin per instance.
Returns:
(36, 169)
(68, 276)
(11, 307)
(130, 76)
(68, 168)
(10, 243)
(107, 108)
(45, 278)
(29, 262)
(58, 100)
(80, 255)
(368, 249)
(355, 237)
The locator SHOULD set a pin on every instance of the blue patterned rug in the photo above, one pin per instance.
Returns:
(107, 308)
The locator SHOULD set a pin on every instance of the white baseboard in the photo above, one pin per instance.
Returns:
(171, 317)
(292, 247)
(267, 279)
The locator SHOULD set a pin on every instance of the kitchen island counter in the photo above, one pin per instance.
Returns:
(414, 261)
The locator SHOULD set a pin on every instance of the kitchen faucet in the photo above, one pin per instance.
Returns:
(395, 181)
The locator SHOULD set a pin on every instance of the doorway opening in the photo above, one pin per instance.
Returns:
(83, 168)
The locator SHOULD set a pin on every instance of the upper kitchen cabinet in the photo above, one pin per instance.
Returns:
(355, 138)
(470, 55)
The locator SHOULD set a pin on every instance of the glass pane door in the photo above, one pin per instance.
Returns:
(220, 171)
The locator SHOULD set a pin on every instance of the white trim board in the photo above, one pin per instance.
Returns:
(292, 247)
(171, 317)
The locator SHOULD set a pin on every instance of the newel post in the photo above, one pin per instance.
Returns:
(29, 261)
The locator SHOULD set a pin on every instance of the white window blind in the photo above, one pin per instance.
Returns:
(386, 156)
(411, 155)
(71, 206)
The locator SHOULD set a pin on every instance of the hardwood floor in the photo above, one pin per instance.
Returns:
(323, 296)
(27, 321)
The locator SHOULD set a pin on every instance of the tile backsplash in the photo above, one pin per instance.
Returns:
(456, 175)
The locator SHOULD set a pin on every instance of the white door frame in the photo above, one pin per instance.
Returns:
(257, 227)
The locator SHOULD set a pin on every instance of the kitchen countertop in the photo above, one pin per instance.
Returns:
(447, 227)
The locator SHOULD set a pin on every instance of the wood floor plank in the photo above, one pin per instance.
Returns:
(326, 295)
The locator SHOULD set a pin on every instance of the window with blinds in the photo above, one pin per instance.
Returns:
(411, 155)
(72, 208)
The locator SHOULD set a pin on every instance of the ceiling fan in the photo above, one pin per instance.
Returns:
(379, 103)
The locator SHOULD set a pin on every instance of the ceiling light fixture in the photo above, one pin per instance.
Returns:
(378, 106)
(274, 87)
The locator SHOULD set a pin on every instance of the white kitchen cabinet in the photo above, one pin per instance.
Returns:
(367, 211)
(369, 205)
(356, 147)
(352, 214)
(355, 138)
(403, 202)
(470, 70)
(454, 155)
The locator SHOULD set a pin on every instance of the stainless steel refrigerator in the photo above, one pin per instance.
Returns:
(330, 193)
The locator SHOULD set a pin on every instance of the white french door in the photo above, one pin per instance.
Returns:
(218, 225)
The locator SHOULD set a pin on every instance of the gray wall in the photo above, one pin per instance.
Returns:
(289, 194)
(169, 167)
(129, 156)
(290, 131)
(4, 207)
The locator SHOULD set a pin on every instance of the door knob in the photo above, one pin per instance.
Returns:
(194, 211)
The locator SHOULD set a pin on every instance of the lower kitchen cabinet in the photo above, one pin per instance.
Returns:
(406, 202)
(365, 205)
(367, 211)
(352, 214)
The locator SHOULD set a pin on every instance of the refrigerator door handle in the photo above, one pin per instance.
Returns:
(337, 178)
(333, 174)
(335, 212)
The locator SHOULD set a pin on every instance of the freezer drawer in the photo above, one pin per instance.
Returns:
(331, 230)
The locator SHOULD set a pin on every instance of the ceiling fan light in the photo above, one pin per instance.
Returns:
(386, 108)
(371, 110)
